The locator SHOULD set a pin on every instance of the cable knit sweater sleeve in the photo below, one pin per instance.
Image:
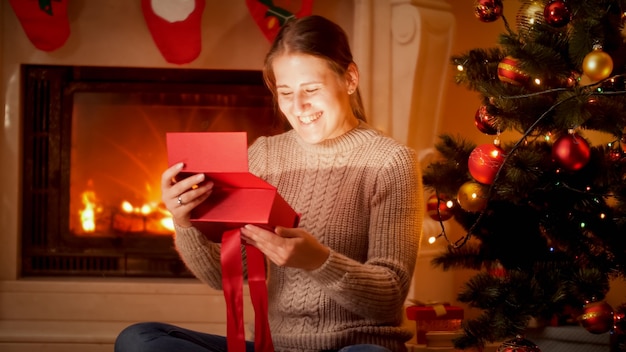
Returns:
(377, 288)
(201, 256)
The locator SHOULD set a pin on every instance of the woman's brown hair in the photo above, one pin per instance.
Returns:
(317, 36)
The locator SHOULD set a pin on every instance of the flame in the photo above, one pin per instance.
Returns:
(127, 207)
(168, 223)
(145, 209)
(149, 218)
(152, 211)
(88, 214)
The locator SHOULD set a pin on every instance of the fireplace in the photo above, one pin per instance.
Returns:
(93, 152)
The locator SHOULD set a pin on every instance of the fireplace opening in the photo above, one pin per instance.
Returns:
(94, 149)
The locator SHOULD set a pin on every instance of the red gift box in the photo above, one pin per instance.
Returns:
(438, 317)
(238, 198)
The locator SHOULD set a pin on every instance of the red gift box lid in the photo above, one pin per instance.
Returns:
(238, 197)
(434, 312)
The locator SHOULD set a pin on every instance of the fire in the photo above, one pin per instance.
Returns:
(168, 223)
(148, 217)
(151, 211)
(88, 214)
(152, 218)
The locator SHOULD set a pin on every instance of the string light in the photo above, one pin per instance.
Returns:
(598, 91)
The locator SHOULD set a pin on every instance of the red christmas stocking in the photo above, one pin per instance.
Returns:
(270, 17)
(44, 21)
(175, 26)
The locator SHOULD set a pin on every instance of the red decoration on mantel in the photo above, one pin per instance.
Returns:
(45, 22)
(270, 17)
(175, 26)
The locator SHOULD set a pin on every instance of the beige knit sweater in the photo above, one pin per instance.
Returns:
(359, 194)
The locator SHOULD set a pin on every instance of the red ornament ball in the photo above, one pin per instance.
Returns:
(509, 72)
(571, 151)
(444, 205)
(484, 162)
(557, 14)
(484, 121)
(518, 344)
(597, 317)
(488, 10)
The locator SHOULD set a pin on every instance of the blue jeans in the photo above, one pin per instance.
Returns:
(161, 337)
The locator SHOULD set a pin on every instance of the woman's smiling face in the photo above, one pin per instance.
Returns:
(315, 100)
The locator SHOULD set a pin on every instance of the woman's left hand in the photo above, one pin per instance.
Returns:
(291, 247)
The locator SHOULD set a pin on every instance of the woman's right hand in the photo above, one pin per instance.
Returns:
(180, 197)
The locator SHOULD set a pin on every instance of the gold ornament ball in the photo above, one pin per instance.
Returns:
(597, 65)
(472, 196)
(529, 15)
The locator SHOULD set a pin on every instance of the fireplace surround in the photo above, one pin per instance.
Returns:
(93, 142)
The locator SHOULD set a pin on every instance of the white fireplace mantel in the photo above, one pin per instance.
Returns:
(402, 49)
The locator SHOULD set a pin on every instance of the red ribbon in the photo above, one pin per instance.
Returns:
(232, 284)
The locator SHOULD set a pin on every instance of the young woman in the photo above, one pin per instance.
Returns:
(338, 282)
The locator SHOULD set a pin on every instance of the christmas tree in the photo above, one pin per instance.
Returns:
(544, 212)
